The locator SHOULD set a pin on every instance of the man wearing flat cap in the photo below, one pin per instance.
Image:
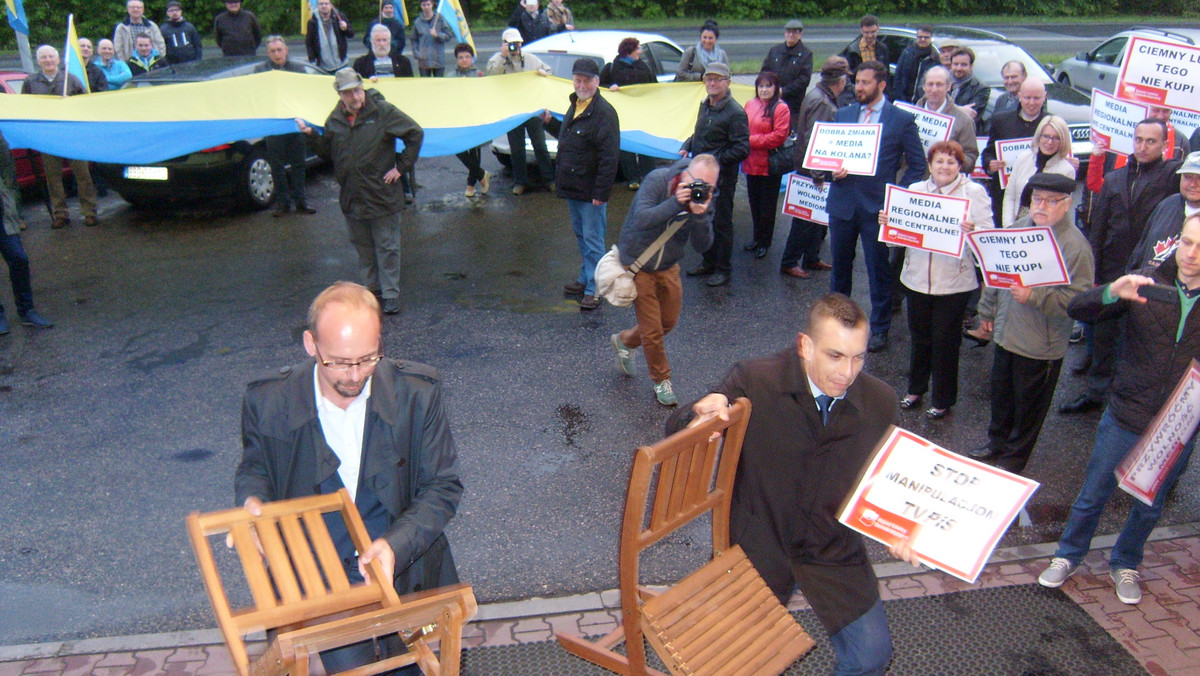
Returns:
(723, 131)
(1031, 329)
(360, 138)
(589, 145)
(792, 62)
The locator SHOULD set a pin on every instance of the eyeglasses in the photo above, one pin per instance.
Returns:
(1047, 137)
(714, 78)
(1048, 201)
(364, 363)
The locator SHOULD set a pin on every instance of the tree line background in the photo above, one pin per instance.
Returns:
(47, 18)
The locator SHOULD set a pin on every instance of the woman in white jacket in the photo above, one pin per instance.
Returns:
(938, 286)
(1051, 153)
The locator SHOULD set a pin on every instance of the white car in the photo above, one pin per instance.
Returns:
(1099, 68)
(560, 51)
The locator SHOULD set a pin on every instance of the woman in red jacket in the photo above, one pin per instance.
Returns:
(769, 127)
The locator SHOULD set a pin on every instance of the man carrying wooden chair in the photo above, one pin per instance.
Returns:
(817, 420)
(349, 417)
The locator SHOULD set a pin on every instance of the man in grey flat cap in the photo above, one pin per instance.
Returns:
(360, 138)
(1031, 329)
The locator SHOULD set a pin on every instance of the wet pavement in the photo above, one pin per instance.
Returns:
(124, 417)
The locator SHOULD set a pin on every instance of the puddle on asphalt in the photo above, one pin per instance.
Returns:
(192, 455)
(573, 422)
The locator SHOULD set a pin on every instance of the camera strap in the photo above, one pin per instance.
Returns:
(657, 245)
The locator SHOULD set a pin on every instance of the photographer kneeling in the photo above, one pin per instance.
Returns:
(684, 189)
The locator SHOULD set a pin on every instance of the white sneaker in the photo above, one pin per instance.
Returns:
(1057, 572)
(1125, 580)
(665, 393)
(624, 354)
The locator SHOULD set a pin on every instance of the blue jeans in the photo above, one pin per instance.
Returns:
(864, 646)
(1099, 482)
(843, 242)
(18, 272)
(589, 223)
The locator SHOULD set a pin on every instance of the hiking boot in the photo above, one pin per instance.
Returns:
(1057, 572)
(665, 393)
(1125, 581)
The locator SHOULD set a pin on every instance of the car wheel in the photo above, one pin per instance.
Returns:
(1065, 79)
(256, 180)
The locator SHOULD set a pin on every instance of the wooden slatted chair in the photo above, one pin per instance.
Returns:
(721, 619)
(301, 590)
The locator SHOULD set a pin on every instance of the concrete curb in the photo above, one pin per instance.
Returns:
(506, 610)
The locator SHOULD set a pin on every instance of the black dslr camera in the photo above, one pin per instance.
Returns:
(514, 47)
(700, 191)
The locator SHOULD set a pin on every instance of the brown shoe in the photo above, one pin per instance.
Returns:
(60, 222)
(819, 265)
(589, 302)
(795, 272)
(573, 288)
(91, 221)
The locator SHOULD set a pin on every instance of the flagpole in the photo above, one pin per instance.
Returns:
(66, 64)
(23, 48)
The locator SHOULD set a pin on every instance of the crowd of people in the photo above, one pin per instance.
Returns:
(1138, 225)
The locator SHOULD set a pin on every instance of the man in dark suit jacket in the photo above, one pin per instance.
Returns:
(855, 201)
(348, 417)
(817, 419)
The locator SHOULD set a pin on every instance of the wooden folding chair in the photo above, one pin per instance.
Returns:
(721, 619)
(300, 589)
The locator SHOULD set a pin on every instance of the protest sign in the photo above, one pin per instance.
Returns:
(852, 147)
(1009, 152)
(978, 171)
(1160, 74)
(1019, 257)
(931, 127)
(1143, 471)
(953, 509)
(1114, 120)
(1186, 122)
(804, 200)
(919, 220)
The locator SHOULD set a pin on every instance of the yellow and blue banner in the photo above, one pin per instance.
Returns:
(73, 58)
(453, 13)
(457, 113)
(16, 16)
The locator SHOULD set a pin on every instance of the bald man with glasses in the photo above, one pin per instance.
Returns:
(349, 417)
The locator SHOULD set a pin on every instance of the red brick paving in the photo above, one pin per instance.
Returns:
(1162, 632)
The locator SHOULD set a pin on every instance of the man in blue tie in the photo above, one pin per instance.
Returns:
(855, 201)
(817, 419)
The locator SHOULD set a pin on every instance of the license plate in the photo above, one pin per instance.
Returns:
(146, 173)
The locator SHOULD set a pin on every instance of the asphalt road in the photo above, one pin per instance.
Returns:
(124, 417)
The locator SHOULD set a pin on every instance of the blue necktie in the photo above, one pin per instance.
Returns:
(824, 402)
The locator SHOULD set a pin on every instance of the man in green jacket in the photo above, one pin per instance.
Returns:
(360, 138)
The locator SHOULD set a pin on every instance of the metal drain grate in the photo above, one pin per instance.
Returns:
(984, 632)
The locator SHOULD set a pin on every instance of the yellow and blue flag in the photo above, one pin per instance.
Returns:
(401, 10)
(453, 13)
(307, 9)
(73, 58)
(16, 16)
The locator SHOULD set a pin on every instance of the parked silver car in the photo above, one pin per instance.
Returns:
(1099, 68)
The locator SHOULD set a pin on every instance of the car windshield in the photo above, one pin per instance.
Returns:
(562, 63)
(991, 57)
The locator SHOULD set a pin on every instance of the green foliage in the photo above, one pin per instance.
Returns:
(96, 18)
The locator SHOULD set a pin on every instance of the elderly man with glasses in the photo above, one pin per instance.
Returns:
(350, 418)
(1031, 329)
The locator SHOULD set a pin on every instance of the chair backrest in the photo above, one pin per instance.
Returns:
(302, 578)
(674, 482)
